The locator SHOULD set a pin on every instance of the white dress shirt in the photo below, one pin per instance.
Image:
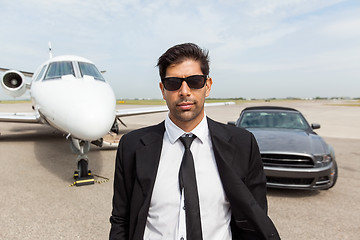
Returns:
(166, 216)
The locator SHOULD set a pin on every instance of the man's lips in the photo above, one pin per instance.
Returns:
(185, 105)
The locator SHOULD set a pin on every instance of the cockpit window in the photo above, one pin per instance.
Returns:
(90, 70)
(58, 69)
(41, 73)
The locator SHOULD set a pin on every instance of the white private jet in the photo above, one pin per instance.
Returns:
(70, 94)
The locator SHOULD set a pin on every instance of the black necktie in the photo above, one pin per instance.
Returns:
(187, 181)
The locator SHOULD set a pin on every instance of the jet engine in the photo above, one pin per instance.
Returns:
(13, 83)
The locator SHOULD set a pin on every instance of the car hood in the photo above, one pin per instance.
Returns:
(289, 140)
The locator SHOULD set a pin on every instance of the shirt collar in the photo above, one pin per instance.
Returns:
(174, 132)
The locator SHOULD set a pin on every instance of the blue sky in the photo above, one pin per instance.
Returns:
(258, 48)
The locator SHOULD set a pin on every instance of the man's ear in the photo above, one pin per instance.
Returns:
(208, 86)
(161, 85)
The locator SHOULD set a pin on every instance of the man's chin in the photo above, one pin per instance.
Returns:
(187, 116)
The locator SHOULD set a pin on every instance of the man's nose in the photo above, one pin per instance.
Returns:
(184, 89)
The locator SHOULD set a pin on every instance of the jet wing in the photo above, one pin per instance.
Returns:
(140, 111)
(148, 110)
(27, 74)
(28, 117)
(218, 104)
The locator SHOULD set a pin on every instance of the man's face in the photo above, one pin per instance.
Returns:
(186, 105)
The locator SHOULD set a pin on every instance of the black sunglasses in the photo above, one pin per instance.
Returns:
(194, 82)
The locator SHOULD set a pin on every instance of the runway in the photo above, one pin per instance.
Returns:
(37, 168)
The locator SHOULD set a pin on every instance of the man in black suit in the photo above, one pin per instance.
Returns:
(169, 187)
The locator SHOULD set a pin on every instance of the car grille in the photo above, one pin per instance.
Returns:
(289, 181)
(286, 160)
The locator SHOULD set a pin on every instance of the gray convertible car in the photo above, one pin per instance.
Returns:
(294, 156)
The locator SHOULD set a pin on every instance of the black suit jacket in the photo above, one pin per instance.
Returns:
(239, 165)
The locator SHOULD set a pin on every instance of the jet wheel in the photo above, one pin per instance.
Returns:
(83, 168)
(83, 175)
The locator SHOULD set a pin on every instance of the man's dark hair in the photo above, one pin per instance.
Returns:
(179, 53)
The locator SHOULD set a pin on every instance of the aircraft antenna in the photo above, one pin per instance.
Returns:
(50, 53)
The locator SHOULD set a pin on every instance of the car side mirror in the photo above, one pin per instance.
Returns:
(232, 123)
(315, 126)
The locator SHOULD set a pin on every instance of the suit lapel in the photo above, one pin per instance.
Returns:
(224, 151)
(225, 154)
(148, 156)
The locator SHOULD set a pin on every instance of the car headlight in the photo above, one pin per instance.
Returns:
(325, 158)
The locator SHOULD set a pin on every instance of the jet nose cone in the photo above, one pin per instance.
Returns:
(93, 114)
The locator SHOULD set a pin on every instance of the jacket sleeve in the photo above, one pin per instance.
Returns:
(120, 214)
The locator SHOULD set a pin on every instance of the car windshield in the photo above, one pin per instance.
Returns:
(273, 119)
(59, 69)
(90, 70)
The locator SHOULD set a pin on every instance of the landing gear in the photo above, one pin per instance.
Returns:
(83, 168)
(83, 176)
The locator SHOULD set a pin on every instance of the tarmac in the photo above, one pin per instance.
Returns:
(37, 168)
